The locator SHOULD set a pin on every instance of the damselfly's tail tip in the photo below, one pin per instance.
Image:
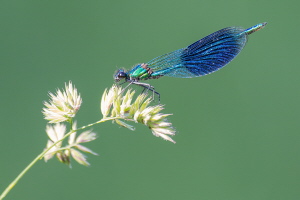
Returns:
(255, 28)
(264, 24)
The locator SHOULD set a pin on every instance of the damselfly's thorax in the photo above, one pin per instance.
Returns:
(137, 73)
(140, 72)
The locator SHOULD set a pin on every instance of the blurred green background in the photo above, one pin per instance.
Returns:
(237, 129)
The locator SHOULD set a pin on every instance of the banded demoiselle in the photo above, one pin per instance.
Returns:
(205, 56)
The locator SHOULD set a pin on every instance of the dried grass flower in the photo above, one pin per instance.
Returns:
(64, 153)
(63, 105)
(138, 109)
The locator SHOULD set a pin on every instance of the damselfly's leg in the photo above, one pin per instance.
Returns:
(126, 86)
(148, 87)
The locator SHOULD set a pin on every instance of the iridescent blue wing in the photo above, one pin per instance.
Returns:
(202, 57)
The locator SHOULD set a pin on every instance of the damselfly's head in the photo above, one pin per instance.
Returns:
(120, 74)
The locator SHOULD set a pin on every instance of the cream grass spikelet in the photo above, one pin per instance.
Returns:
(63, 105)
(63, 153)
(125, 107)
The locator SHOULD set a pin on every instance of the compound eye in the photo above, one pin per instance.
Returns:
(121, 75)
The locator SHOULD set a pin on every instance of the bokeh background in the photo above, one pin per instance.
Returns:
(238, 133)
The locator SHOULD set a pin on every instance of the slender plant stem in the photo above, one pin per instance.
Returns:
(40, 156)
(98, 122)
